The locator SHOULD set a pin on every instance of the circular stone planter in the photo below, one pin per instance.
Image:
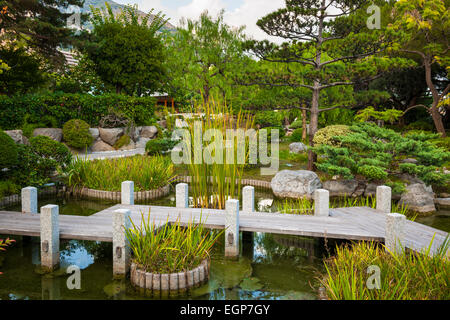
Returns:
(172, 283)
(116, 195)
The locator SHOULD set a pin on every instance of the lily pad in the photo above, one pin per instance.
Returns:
(229, 273)
(251, 284)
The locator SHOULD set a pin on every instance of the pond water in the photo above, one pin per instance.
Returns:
(269, 267)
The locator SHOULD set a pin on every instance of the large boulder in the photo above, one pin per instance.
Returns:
(110, 136)
(129, 146)
(100, 146)
(142, 142)
(341, 188)
(419, 198)
(295, 184)
(297, 147)
(149, 132)
(94, 133)
(53, 133)
(17, 136)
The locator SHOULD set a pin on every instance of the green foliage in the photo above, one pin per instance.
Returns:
(172, 248)
(52, 154)
(326, 135)
(127, 50)
(369, 113)
(27, 74)
(296, 135)
(296, 124)
(76, 134)
(44, 122)
(404, 276)
(8, 188)
(8, 151)
(122, 141)
(159, 146)
(336, 116)
(32, 109)
(375, 152)
(148, 173)
(269, 119)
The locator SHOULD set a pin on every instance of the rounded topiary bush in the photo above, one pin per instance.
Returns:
(53, 152)
(159, 146)
(76, 134)
(8, 151)
(326, 135)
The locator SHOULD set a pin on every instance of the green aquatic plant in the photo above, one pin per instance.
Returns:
(403, 276)
(170, 247)
(108, 174)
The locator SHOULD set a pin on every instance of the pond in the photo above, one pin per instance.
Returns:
(269, 267)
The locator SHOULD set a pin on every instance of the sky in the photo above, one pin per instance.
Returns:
(237, 12)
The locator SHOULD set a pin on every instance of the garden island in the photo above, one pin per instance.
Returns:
(143, 158)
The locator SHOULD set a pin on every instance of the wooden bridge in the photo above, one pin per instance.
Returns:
(355, 223)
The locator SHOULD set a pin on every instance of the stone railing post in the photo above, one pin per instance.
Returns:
(127, 192)
(49, 237)
(395, 233)
(121, 250)
(384, 195)
(182, 195)
(321, 203)
(232, 228)
(29, 200)
(248, 199)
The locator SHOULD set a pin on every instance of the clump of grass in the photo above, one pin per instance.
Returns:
(306, 206)
(403, 276)
(147, 173)
(171, 248)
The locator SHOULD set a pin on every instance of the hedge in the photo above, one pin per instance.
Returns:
(66, 106)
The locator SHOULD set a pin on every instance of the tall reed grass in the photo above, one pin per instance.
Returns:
(147, 173)
(213, 184)
(170, 248)
(404, 276)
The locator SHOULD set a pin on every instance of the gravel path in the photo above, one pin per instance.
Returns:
(111, 154)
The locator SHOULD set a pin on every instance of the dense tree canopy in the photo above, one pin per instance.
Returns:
(126, 50)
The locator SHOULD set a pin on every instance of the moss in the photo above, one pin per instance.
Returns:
(8, 151)
(123, 141)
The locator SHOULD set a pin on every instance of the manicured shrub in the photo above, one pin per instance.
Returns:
(296, 124)
(8, 151)
(159, 146)
(53, 154)
(326, 135)
(76, 134)
(375, 152)
(123, 141)
(296, 135)
(269, 119)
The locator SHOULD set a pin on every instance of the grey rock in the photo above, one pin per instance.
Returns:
(129, 146)
(162, 123)
(142, 142)
(443, 203)
(371, 190)
(409, 160)
(340, 188)
(17, 136)
(295, 184)
(419, 198)
(53, 133)
(297, 147)
(110, 136)
(149, 132)
(94, 133)
(100, 146)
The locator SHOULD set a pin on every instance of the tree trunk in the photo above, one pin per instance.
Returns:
(304, 125)
(437, 119)
(313, 125)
